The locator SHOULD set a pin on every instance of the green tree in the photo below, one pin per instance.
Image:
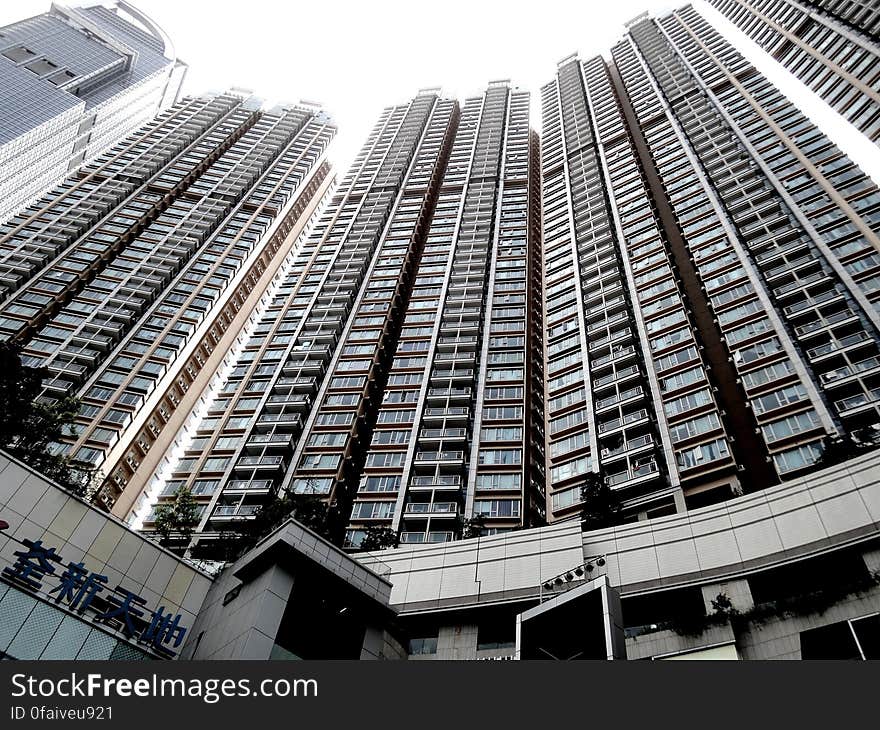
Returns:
(307, 509)
(601, 505)
(31, 429)
(378, 538)
(176, 520)
(837, 449)
(473, 527)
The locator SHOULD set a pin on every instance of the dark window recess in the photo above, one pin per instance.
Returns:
(832, 574)
(855, 639)
(17, 54)
(499, 633)
(62, 77)
(667, 607)
(709, 497)
(41, 67)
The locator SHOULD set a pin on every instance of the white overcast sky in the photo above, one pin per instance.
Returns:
(355, 58)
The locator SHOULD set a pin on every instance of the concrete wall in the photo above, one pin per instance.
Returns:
(37, 509)
(830, 508)
(467, 572)
(246, 627)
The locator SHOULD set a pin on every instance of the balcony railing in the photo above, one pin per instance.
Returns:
(411, 538)
(249, 485)
(636, 443)
(629, 418)
(442, 433)
(260, 461)
(643, 470)
(452, 481)
(847, 370)
(439, 456)
(424, 508)
(835, 345)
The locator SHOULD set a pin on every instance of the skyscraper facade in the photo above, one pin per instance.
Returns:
(726, 254)
(458, 433)
(340, 296)
(130, 281)
(395, 371)
(833, 46)
(75, 81)
(675, 294)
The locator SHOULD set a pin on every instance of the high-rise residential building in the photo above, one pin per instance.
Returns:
(395, 370)
(711, 275)
(833, 46)
(688, 312)
(296, 405)
(131, 280)
(459, 430)
(75, 81)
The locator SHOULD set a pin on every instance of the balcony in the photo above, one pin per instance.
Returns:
(823, 322)
(616, 354)
(613, 337)
(799, 284)
(456, 393)
(418, 538)
(441, 482)
(812, 302)
(835, 346)
(641, 472)
(289, 420)
(433, 509)
(299, 401)
(620, 397)
(440, 457)
(232, 511)
(260, 440)
(622, 374)
(857, 402)
(626, 420)
(456, 413)
(439, 434)
(847, 371)
(639, 442)
(248, 485)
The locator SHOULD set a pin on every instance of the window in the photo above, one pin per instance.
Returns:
(497, 413)
(390, 437)
(320, 461)
(688, 402)
(499, 481)
(373, 510)
(683, 379)
(423, 646)
(327, 439)
(497, 507)
(791, 426)
(694, 427)
(385, 459)
(570, 469)
(779, 398)
(380, 484)
(565, 498)
(500, 456)
(704, 453)
(575, 441)
(852, 639)
(759, 377)
(18, 54)
(312, 485)
(501, 434)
